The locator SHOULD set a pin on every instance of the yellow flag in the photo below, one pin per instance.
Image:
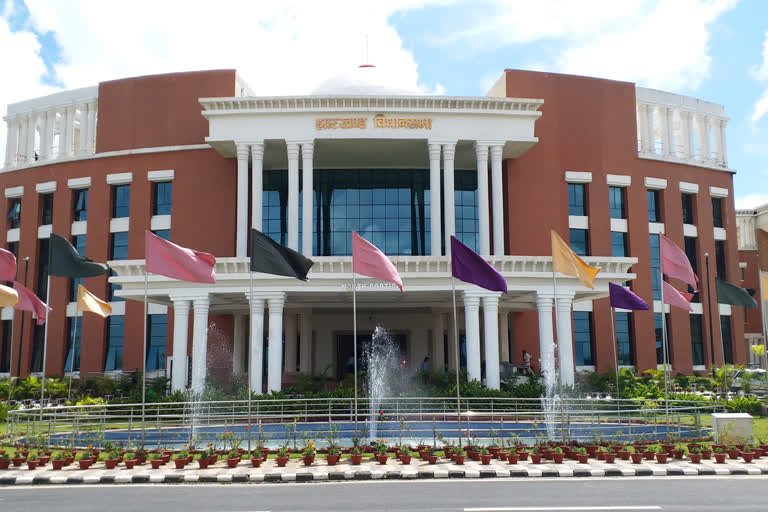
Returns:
(565, 261)
(86, 301)
(764, 278)
(8, 296)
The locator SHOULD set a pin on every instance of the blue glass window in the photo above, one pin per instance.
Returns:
(165, 234)
(42, 268)
(118, 251)
(579, 242)
(725, 332)
(624, 351)
(697, 340)
(46, 209)
(274, 204)
(618, 244)
(654, 211)
(467, 220)
(688, 209)
(78, 242)
(582, 337)
(158, 325)
(121, 201)
(14, 212)
(74, 329)
(115, 336)
(655, 266)
(162, 198)
(616, 198)
(80, 204)
(576, 199)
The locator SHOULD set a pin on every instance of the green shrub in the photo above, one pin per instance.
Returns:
(749, 404)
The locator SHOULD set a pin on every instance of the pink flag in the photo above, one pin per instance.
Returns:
(7, 265)
(675, 298)
(170, 260)
(368, 260)
(675, 263)
(28, 301)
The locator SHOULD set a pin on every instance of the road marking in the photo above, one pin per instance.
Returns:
(533, 509)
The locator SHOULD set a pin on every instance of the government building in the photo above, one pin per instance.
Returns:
(197, 158)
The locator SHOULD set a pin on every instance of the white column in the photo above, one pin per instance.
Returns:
(241, 233)
(43, 153)
(293, 195)
(199, 343)
(641, 131)
(69, 131)
(546, 339)
(565, 341)
(275, 354)
(484, 245)
(669, 134)
(11, 141)
(256, 306)
(723, 143)
(650, 111)
(702, 137)
(449, 151)
(717, 140)
(497, 194)
(257, 184)
(438, 338)
(239, 355)
(307, 151)
(180, 340)
(685, 135)
(504, 336)
(434, 199)
(291, 328)
(491, 334)
(305, 353)
(30, 145)
(92, 107)
(472, 334)
(83, 141)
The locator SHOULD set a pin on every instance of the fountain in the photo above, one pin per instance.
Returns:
(385, 373)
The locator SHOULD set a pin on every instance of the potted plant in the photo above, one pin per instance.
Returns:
(69, 457)
(557, 455)
(155, 460)
(522, 454)
(32, 460)
(581, 455)
(661, 455)
(405, 455)
(625, 451)
(535, 455)
(720, 455)
(18, 459)
(5, 460)
(608, 454)
(141, 456)
(84, 459)
(58, 461)
(747, 454)
(233, 457)
(256, 459)
(43, 459)
(111, 460)
(694, 453)
(179, 459)
(282, 456)
(308, 453)
(356, 456)
(636, 456)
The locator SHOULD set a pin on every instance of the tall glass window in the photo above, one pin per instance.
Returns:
(697, 340)
(274, 203)
(725, 330)
(14, 212)
(658, 328)
(14, 248)
(121, 201)
(720, 259)
(165, 234)
(158, 325)
(42, 268)
(687, 208)
(579, 242)
(5, 350)
(690, 251)
(624, 351)
(162, 192)
(576, 199)
(118, 251)
(616, 198)
(80, 204)
(618, 244)
(654, 204)
(78, 242)
(655, 266)
(115, 336)
(717, 212)
(465, 199)
(38, 336)
(582, 338)
(46, 209)
(73, 343)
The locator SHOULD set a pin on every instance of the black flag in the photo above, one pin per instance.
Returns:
(731, 294)
(65, 261)
(269, 257)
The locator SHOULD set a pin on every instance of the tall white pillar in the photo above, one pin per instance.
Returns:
(434, 199)
(43, 153)
(491, 334)
(449, 196)
(92, 106)
(239, 346)
(30, 145)
(497, 194)
(256, 372)
(438, 338)
(241, 233)
(180, 341)
(702, 138)
(305, 334)
(257, 184)
(83, 140)
(642, 134)
(504, 336)
(275, 354)
(546, 340)
(11, 141)
(291, 329)
(293, 195)
(723, 143)
(472, 335)
(717, 140)
(307, 152)
(69, 131)
(199, 343)
(484, 245)
(650, 114)
(565, 341)
(669, 132)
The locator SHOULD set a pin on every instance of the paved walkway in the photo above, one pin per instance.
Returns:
(295, 471)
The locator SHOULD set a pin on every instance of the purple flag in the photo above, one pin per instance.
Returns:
(625, 299)
(470, 267)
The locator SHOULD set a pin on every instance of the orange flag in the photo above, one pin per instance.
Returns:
(565, 261)
(86, 301)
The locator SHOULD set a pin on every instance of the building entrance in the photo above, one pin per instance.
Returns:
(345, 351)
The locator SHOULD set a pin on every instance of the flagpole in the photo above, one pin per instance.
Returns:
(555, 338)
(354, 339)
(250, 361)
(10, 359)
(21, 328)
(45, 345)
(144, 359)
(615, 362)
(458, 357)
(72, 364)
(664, 345)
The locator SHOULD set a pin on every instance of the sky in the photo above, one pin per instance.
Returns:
(715, 50)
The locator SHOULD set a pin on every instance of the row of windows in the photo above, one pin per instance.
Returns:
(121, 199)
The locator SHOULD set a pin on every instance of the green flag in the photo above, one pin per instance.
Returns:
(733, 295)
(65, 261)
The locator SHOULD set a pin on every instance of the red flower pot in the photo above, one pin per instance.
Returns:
(536, 458)
(405, 459)
(591, 450)
(5, 463)
(720, 457)
(154, 463)
(332, 459)
(231, 463)
(281, 461)
(734, 454)
(494, 451)
(58, 464)
(649, 455)
(583, 458)
(202, 462)
(512, 458)
(637, 458)
(432, 459)
(18, 461)
(112, 463)
(32, 464)
(356, 459)
(382, 459)
(503, 455)
(609, 458)
(747, 456)
(557, 458)
(459, 459)
(308, 460)
(474, 455)
(522, 455)
(695, 458)
(140, 460)
(84, 463)
(706, 454)
(486, 459)
(42, 461)
(624, 455)
(129, 463)
(661, 458)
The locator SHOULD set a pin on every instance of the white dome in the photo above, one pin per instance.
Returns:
(365, 80)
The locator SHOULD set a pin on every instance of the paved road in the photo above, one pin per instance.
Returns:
(546, 495)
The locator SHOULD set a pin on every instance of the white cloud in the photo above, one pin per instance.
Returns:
(760, 109)
(750, 201)
(657, 44)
